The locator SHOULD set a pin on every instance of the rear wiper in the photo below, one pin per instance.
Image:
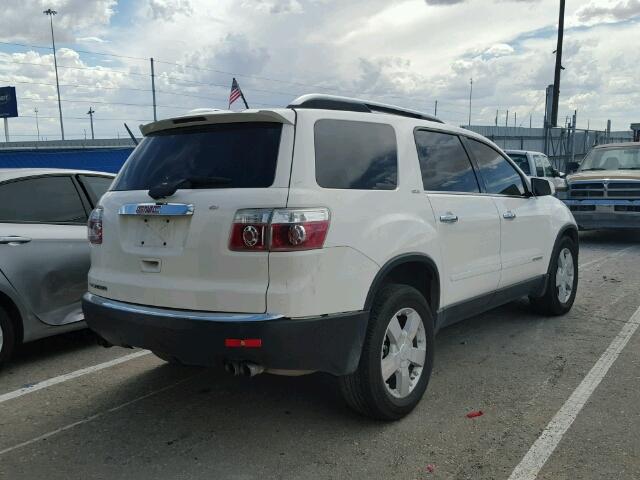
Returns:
(166, 189)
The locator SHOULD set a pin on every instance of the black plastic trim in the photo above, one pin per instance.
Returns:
(477, 305)
(327, 343)
(399, 260)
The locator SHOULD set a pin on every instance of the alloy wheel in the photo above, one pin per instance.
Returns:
(403, 352)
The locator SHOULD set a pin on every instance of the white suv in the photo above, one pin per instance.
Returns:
(334, 235)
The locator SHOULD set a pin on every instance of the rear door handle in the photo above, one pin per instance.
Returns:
(13, 240)
(509, 215)
(448, 218)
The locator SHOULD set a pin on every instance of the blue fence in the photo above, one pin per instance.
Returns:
(101, 159)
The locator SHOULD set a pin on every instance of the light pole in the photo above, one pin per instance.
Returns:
(90, 113)
(470, 95)
(37, 124)
(51, 13)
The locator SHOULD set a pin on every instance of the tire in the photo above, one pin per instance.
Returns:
(365, 390)
(7, 337)
(557, 300)
(168, 358)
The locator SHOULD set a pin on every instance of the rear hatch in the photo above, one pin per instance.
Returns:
(173, 250)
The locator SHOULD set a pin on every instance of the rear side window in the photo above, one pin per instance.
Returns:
(499, 176)
(41, 200)
(444, 163)
(356, 155)
(95, 186)
(244, 155)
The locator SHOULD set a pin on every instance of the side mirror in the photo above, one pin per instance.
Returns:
(573, 166)
(541, 187)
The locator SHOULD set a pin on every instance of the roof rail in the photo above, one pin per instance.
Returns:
(333, 102)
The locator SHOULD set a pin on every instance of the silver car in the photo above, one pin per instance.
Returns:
(44, 252)
(537, 164)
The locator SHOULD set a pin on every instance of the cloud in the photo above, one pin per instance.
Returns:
(499, 50)
(23, 20)
(90, 40)
(167, 9)
(443, 2)
(614, 12)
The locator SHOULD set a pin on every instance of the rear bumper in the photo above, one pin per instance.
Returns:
(330, 343)
(614, 214)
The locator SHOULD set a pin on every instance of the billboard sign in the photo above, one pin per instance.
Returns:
(8, 102)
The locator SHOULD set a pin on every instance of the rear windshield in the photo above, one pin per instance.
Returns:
(244, 154)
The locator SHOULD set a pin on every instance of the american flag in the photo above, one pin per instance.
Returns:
(236, 93)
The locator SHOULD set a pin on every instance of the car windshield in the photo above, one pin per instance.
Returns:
(615, 158)
(522, 161)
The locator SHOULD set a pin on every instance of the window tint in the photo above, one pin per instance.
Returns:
(355, 155)
(498, 174)
(444, 163)
(44, 200)
(95, 186)
(244, 154)
(522, 161)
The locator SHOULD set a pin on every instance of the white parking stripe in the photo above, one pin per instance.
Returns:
(547, 442)
(93, 417)
(70, 376)
(606, 257)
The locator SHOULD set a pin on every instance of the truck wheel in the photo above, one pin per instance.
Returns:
(7, 337)
(562, 284)
(397, 356)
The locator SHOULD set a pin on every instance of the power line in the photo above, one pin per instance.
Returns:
(90, 52)
(95, 69)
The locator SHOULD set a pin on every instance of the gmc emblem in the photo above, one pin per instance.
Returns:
(148, 209)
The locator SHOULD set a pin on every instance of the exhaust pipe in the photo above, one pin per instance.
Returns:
(233, 368)
(245, 369)
(251, 369)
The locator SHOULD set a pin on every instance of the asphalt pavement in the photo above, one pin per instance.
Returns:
(144, 419)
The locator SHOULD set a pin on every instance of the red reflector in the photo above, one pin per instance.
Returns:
(243, 342)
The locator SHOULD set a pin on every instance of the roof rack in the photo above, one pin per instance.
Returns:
(333, 102)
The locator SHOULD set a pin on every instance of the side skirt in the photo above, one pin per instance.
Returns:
(469, 308)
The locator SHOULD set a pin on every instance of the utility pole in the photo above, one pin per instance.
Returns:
(470, 96)
(90, 113)
(506, 120)
(37, 124)
(435, 110)
(559, 68)
(515, 119)
(153, 91)
(530, 115)
(573, 137)
(51, 13)
(497, 112)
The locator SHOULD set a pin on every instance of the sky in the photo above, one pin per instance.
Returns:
(404, 52)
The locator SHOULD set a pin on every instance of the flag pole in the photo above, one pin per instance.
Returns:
(243, 99)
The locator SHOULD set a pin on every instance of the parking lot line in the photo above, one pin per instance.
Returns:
(606, 257)
(547, 442)
(95, 416)
(70, 376)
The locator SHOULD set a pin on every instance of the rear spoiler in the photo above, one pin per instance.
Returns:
(285, 116)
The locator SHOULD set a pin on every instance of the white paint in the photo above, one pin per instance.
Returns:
(606, 257)
(70, 376)
(547, 442)
(92, 417)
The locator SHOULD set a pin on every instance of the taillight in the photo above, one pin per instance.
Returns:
(299, 229)
(250, 229)
(94, 226)
(279, 230)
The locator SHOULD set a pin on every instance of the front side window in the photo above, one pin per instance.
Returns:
(499, 176)
(543, 166)
(229, 155)
(41, 200)
(355, 155)
(444, 163)
(522, 161)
